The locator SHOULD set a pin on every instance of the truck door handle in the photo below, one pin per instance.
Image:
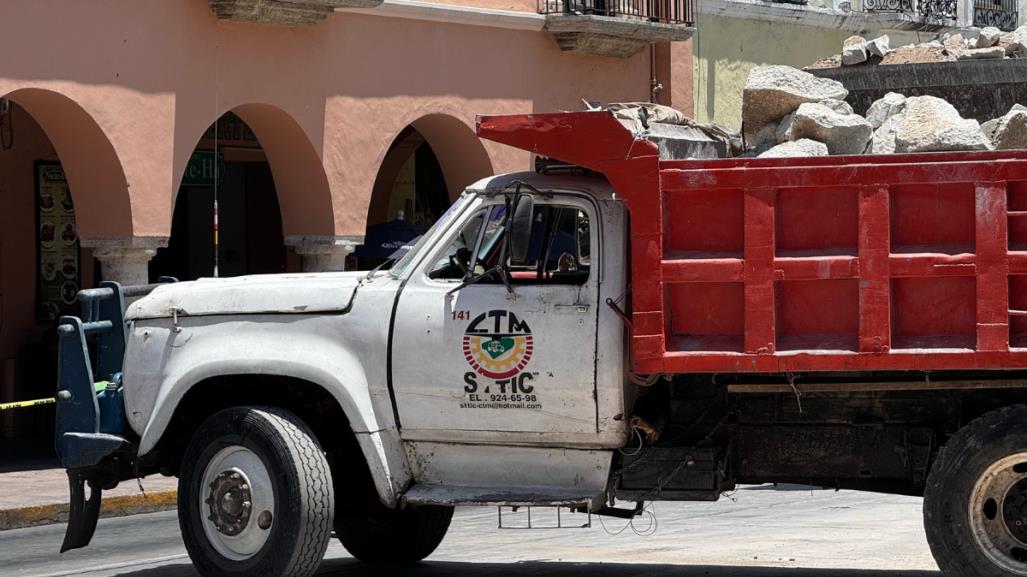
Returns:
(582, 309)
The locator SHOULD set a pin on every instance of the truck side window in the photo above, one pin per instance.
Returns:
(454, 262)
(558, 251)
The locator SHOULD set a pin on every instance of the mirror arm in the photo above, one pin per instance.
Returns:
(497, 270)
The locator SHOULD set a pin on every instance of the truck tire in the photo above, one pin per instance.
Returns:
(255, 495)
(975, 502)
(384, 536)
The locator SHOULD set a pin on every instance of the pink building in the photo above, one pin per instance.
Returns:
(308, 120)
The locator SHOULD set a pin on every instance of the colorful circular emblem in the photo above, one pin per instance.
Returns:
(497, 344)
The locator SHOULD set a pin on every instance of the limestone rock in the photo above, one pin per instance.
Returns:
(1008, 131)
(843, 133)
(1015, 42)
(797, 148)
(771, 92)
(954, 41)
(884, 137)
(989, 37)
(884, 108)
(879, 46)
(930, 124)
(839, 106)
(854, 50)
(766, 137)
(978, 53)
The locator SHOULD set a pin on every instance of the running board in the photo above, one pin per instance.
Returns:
(538, 496)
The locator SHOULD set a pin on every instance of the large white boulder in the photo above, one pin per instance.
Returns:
(930, 124)
(772, 92)
(1015, 42)
(989, 37)
(797, 148)
(954, 41)
(842, 132)
(854, 50)
(1008, 131)
(879, 46)
(884, 108)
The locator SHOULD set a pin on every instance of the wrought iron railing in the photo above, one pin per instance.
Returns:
(935, 11)
(1002, 14)
(661, 11)
(888, 5)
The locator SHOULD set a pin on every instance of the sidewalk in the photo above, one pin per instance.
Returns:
(39, 496)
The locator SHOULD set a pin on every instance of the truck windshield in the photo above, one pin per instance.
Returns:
(402, 264)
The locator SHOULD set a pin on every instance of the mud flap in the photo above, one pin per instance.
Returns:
(84, 513)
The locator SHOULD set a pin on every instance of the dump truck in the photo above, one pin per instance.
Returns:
(609, 330)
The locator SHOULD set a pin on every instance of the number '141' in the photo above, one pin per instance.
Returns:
(461, 315)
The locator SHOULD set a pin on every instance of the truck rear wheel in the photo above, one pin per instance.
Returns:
(380, 535)
(975, 504)
(255, 495)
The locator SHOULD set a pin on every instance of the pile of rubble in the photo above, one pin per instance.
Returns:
(966, 44)
(787, 112)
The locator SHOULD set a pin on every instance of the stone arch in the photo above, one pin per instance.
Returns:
(96, 176)
(300, 180)
(461, 156)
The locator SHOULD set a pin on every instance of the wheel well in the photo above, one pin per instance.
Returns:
(308, 401)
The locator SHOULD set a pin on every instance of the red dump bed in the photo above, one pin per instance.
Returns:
(904, 262)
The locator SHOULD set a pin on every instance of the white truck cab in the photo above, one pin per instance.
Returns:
(471, 372)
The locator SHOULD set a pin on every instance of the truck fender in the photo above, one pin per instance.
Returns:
(313, 359)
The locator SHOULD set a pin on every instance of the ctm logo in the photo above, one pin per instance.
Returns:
(497, 344)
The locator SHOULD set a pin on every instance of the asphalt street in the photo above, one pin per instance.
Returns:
(756, 532)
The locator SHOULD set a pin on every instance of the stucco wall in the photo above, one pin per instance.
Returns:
(334, 95)
(726, 49)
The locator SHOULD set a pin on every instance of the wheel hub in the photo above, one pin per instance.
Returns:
(998, 513)
(230, 502)
(236, 502)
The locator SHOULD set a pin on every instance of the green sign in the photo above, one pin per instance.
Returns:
(200, 170)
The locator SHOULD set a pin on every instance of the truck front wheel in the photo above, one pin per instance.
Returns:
(255, 495)
(975, 503)
(380, 535)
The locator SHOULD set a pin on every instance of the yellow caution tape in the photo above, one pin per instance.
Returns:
(99, 386)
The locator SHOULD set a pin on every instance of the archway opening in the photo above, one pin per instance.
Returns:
(227, 219)
(42, 265)
(425, 168)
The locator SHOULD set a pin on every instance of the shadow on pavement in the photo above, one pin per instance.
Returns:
(346, 567)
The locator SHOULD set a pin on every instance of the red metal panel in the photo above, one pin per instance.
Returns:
(758, 271)
(899, 262)
(992, 269)
(874, 290)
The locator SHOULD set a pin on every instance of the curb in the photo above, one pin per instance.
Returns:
(110, 507)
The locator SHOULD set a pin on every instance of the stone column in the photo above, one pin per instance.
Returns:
(323, 253)
(125, 260)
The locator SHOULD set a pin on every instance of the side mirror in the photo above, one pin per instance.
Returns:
(520, 226)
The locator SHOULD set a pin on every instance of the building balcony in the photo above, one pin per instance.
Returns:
(618, 28)
(283, 12)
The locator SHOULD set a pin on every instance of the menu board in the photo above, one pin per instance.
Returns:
(58, 262)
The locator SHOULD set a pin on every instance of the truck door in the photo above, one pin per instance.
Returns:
(480, 359)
